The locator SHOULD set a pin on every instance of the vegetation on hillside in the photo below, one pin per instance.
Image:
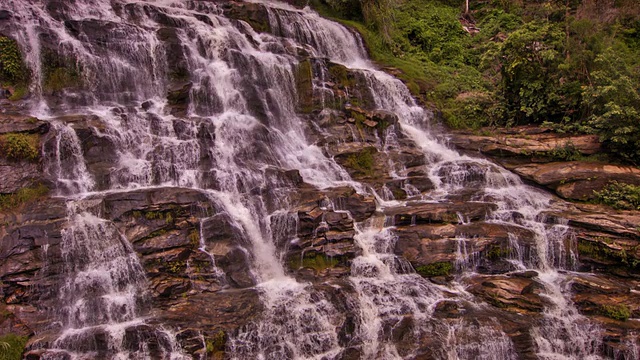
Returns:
(12, 346)
(573, 65)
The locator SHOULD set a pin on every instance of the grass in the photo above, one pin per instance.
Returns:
(22, 196)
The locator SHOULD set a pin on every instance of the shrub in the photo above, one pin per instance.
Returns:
(18, 146)
(567, 152)
(435, 269)
(618, 312)
(619, 196)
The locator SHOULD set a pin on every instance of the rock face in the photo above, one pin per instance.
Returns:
(545, 158)
(253, 199)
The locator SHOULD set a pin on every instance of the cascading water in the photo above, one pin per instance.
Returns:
(230, 121)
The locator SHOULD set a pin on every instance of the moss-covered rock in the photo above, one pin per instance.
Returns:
(14, 74)
(304, 86)
(435, 269)
(59, 72)
(255, 14)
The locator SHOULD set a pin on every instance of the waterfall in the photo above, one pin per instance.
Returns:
(188, 97)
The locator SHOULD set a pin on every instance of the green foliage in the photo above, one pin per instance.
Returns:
(22, 196)
(12, 346)
(531, 56)
(571, 65)
(618, 312)
(13, 71)
(567, 152)
(614, 102)
(19, 146)
(619, 196)
(435, 269)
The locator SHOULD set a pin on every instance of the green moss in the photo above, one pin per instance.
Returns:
(156, 233)
(194, 237)
(20, 91)
(362, 162)
(304, 86)
(176, 267)
(497, 252)
(59, 72)
(12, 346)
(313, 260)
(14, 74)
(340, 74)
(618, 312)
(399, 194)
(22, 196)
(216, 345)
(601, 252)
(168, 217)
(619, 196)
(19, 146)
(435, 269)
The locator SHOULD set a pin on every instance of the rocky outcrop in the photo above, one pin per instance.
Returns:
(20, 140)
(577, 180)
(549, 159)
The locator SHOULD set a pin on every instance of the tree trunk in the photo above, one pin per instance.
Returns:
(466, 6)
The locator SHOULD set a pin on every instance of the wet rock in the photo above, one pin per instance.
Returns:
(237, 267)
(233, 309)
(16, 175)
(178, 99)
(517, 294)
(176, 54)
(116, 204)
(254, 14)
(429, 213)
(577, 180)
(98, 149)
(526, 142)
(17, 123)
(157, 343)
